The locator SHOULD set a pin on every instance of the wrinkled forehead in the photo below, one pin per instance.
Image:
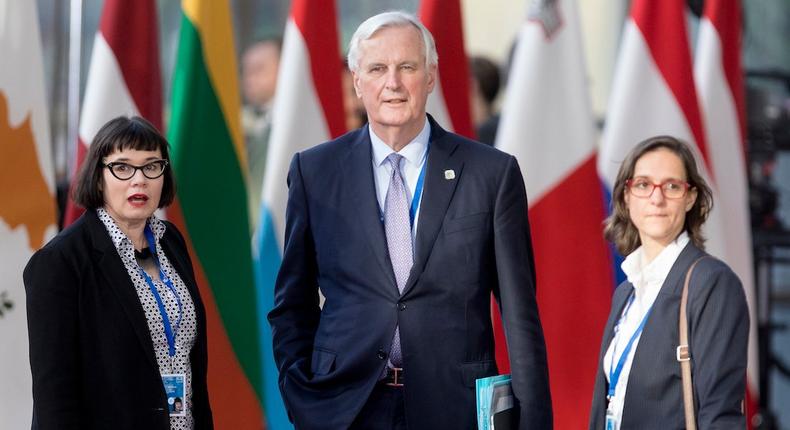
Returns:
(371, 48)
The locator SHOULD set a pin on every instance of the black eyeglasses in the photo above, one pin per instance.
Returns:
(125, 171)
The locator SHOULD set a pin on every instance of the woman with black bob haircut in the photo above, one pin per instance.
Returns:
(114, 313)
(660, 204)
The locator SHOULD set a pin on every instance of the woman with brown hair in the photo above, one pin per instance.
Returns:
(660, 204)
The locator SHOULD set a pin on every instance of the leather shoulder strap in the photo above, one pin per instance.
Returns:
(683, 353)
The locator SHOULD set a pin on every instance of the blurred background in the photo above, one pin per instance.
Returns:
(68, 31)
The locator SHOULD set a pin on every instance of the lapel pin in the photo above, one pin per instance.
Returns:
(449, 174)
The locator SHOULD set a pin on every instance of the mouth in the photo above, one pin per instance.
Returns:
(395, 101)
(137, 199)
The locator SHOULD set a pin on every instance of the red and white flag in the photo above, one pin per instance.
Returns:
(653, 91)
(27, 187)
(719, 78)
(548, 125)
(307, 110)
(449, 101)
(654, 94)
(123, 77)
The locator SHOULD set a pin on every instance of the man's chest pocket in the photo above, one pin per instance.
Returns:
(466, 243)
(467, 223)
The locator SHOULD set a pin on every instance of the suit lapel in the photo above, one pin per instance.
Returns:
(677, 274)
(664, 315)
(117, 278)
(358, 168)
(182, 267)
(619, 300)
(618, 304)
(438, 192)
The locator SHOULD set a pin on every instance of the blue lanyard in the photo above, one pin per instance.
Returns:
(170, 333)
(415, 201)
(614, 373)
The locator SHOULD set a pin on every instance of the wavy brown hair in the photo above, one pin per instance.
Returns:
(618, 227)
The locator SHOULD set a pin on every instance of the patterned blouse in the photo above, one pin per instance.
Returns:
(187, 331)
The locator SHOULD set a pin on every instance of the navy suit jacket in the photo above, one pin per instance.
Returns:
(472, 239)
(91, 352)
(718, 321)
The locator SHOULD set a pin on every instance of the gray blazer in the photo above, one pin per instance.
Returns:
(718, 332)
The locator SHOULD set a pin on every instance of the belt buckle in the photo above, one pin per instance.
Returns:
(397, 377)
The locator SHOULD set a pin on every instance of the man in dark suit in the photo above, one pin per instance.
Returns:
(406, 229)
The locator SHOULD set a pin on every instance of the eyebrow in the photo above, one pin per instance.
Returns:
(670, 178)
(386, 64)
(127, 159)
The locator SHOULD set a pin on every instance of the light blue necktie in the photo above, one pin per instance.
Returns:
(399, 241)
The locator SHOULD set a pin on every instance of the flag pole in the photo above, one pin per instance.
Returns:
(73, 98)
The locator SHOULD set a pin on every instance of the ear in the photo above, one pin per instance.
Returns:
(431, 78)
(355, 80)
(691, 198)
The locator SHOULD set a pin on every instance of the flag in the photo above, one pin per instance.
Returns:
(719, 79)
(307, 110)
(123, 76)
(654, 94)
(27, 186)
(449, 101)
(209, 162)
(547, 124)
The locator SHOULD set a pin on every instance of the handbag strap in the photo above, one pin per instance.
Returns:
(683, 353)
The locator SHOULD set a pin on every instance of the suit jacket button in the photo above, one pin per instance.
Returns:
(381, 354)
(402, 306)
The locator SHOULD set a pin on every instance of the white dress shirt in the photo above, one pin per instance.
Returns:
(415, 153)
(647, 279)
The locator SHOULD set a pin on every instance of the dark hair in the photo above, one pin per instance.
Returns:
(486, 73)
(618, 227)
(119, 134)
(277, 41)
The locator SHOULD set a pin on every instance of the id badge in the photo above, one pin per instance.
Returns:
(611, 421)
(175, 388)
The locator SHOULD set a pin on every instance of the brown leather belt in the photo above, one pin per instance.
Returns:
(394, 377)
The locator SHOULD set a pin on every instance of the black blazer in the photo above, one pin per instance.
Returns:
(718, 321)
(91, 352)
(472, 239)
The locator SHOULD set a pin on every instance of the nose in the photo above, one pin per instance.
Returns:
(393, 79)
(657, 195)
(138, 177)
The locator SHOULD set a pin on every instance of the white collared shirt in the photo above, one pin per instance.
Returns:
(647, 279)
(415, 153)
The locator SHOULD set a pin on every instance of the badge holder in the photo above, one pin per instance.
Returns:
(175, 389)
(611, 421)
